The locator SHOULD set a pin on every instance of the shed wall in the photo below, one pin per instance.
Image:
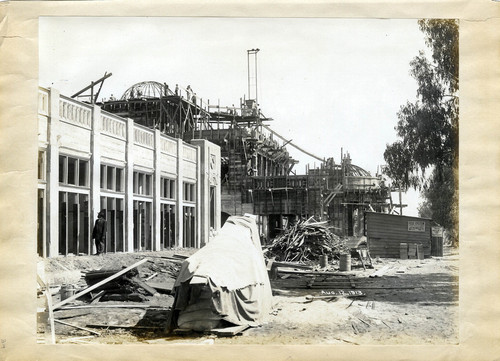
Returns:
(385, 232)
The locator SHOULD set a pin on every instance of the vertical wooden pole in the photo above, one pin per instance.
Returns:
(199, 126)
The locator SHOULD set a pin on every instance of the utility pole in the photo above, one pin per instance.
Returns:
(400, 203)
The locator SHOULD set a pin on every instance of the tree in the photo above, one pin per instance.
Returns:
(424, 209)
(428, 127)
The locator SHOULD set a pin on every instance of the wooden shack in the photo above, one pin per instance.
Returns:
(385, 233)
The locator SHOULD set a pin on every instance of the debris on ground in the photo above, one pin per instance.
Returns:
(307, 241)
(405, 301)
(115, 292)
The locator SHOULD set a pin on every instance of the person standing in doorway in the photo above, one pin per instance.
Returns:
(99, 232)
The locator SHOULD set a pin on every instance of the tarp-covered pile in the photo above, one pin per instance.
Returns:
(307, 241)
(224, 282)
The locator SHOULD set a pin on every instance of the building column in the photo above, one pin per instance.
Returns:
(201, 196)
(218, 189)
(207, 177)
(129, 187)
(95, 164)
(179, 229)
(53, 174)
(156, 194)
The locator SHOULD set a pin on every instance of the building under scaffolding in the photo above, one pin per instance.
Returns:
(256, 169)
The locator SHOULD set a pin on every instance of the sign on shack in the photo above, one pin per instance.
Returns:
(387, 232)
(225, 283)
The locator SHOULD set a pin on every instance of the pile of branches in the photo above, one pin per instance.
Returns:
(307, 241)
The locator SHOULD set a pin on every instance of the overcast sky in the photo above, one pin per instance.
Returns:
(327, 83)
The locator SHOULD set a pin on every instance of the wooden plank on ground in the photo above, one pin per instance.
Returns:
(133, 327)
(105, 306)
(170, 259)
(50, 308)
(381, 272)
(162, 287)
(99, 284)
(73, 316)
(76, 339)
(292, 265)
(229, 331)
(97, 297)
(144, 286)
(152, 276)
(78, 327)
(182, 331)
(401, 269)
(284, 270)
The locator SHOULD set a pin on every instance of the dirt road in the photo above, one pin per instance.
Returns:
(414, 302)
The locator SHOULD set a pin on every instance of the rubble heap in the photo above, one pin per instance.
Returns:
(307, 241)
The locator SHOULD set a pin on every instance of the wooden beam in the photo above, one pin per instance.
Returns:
(75, 339)
(106, 306)
(293, 145)
(292, 265)
(315, 273)
(51, 316)
(229, 331)
(381, 271)
(92, 84)
(152, 276)
(133, 327)
(145, 286)
(99, 284)
(78, 327)
(163, 287)
(97, 297)
(50, 308)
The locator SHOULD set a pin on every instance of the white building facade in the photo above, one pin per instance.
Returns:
(158, 192)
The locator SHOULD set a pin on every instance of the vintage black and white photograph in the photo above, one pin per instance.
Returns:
(267, 181)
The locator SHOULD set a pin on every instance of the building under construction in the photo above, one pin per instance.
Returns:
(257, 173)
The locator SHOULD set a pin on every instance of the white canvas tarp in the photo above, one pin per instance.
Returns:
(225, 280)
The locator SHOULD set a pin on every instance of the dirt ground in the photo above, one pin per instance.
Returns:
(414, 302)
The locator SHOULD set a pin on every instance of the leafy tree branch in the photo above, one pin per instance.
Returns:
(425, 156)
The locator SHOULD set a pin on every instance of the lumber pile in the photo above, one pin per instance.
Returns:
(307, 241)
(127, 287)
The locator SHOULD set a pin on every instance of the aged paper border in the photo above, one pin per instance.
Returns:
(479, 177)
